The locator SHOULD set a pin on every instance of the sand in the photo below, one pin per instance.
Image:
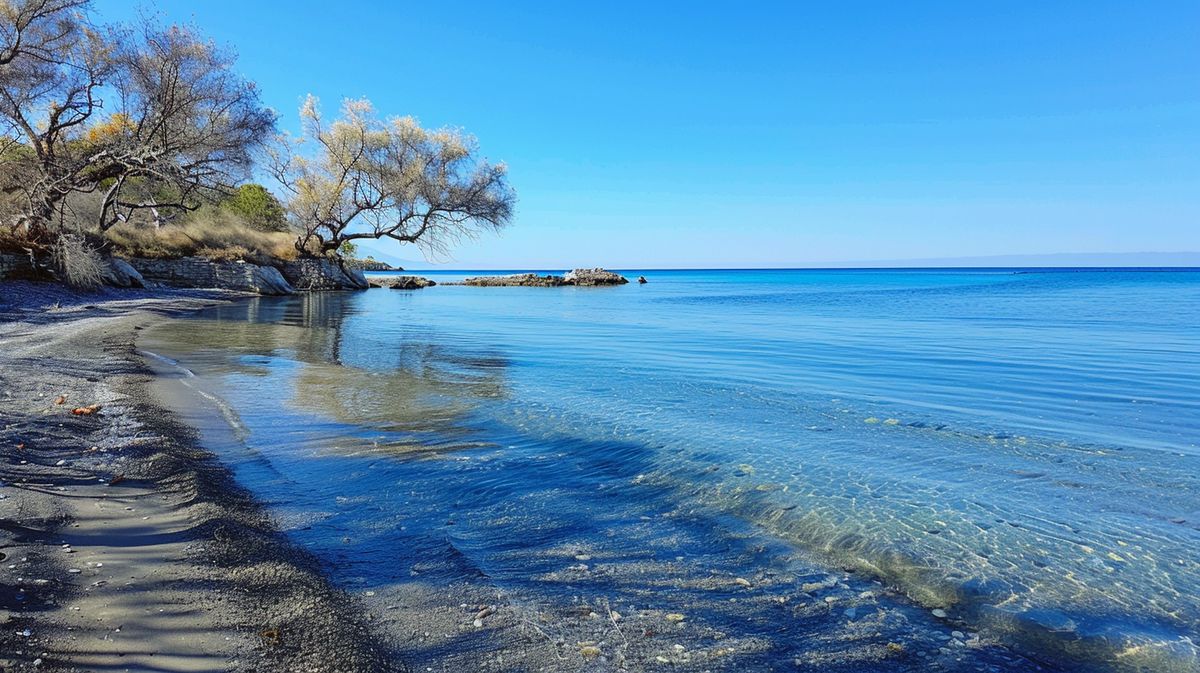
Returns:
(125, 546)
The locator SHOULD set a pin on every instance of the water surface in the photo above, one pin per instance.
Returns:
(1017, 449)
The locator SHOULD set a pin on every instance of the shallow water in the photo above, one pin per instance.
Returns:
(1018, 449)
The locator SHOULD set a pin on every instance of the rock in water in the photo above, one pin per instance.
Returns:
(403, 283)
(518, 280)
(580, 277)
(642, 280)
(591, 277)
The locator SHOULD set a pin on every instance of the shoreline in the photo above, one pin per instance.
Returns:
(124, 544)
(181, 568)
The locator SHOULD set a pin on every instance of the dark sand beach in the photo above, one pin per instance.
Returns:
(124, 546)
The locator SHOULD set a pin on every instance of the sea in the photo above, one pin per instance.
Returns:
(1011, 456)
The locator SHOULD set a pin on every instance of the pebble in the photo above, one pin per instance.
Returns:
(74, 571)
(938, 612)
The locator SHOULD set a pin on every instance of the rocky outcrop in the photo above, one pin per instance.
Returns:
(203, 273)
(121, 274)
(592, 277)
(518, 280)
(312, 273)
(579, 277)
(402, 282)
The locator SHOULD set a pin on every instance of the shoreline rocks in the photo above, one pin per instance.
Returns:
(309, 274)
(287, 277)
(197, 272)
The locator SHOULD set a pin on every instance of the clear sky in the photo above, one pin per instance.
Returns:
(707, 134)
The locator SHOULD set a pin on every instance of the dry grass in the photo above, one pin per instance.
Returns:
(78, 262)
(211, 233)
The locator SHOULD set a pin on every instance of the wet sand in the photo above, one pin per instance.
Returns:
(123, 546)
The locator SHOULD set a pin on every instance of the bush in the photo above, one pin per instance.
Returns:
(78, 262)
(257, 207)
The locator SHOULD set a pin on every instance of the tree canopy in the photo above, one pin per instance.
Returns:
(362, 176)
(148, 117)
(104, 125)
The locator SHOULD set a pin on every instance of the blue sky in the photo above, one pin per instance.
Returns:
(771, 134)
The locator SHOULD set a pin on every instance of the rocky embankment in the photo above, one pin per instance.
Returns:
(578, 277)
(281, 278)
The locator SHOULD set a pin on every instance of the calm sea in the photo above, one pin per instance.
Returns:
(1017, 448)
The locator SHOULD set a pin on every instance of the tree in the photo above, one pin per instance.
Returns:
(258, 207)
(363, 177)
(151, 118)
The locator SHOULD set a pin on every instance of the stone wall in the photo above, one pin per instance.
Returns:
(322, 274)
(17, 266)
(199, 272)
(303, 275)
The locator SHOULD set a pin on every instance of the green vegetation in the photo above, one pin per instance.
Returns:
(257, 207)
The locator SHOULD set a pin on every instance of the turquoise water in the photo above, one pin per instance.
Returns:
(1019, 449)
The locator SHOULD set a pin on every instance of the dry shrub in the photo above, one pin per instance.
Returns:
(230, 254)
(213, 233)
(78, 262)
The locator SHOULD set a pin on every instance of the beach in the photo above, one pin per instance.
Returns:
(422, 480)
(125, 546)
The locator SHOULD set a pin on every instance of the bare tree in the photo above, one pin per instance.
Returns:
(364, 177)
(37, 28)
(150, 117)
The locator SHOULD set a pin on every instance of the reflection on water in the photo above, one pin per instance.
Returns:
(1018, 451)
